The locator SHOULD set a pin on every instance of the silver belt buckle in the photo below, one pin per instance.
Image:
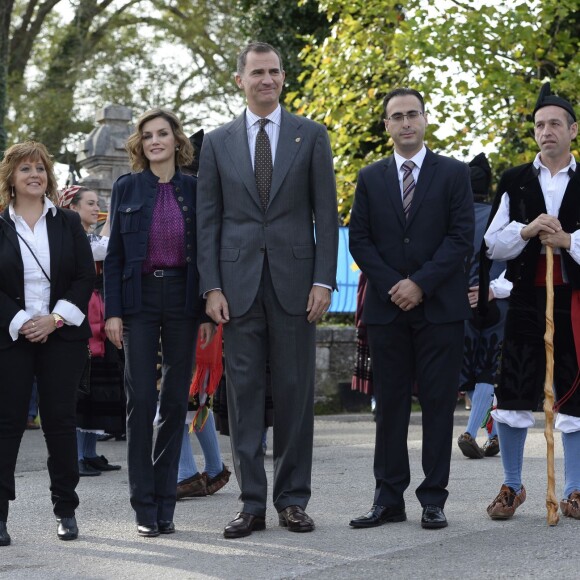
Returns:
(158, 273)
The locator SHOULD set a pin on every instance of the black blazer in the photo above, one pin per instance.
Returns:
(132, 204)
(432, 247)
(72, 272)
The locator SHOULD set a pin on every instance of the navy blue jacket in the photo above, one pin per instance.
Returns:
(132, 204)
(432, 247)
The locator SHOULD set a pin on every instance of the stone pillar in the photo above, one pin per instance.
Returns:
(103, 155)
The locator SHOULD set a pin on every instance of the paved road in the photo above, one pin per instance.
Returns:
(472, 546)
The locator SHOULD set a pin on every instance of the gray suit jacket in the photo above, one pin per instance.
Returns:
(298, 232)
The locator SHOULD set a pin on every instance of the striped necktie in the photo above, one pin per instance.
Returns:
(263, 164)
(408, 186)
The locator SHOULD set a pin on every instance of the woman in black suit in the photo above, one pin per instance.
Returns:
(46, 279)
(152, 294)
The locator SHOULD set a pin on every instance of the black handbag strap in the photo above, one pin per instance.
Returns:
(27, 245)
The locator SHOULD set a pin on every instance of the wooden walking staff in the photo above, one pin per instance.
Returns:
(551, 501)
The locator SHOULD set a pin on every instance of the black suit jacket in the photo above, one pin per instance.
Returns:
(432, 247)
(72, 272)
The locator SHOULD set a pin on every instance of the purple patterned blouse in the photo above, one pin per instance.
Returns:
(166, 245)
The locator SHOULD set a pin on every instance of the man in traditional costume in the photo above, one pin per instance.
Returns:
(538, 206)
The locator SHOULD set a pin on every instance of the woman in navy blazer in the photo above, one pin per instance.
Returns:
(46, 279)
(152, 295)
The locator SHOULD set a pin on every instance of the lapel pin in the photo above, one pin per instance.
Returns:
(297, 139)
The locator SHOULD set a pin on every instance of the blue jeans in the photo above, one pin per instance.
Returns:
(209, 443)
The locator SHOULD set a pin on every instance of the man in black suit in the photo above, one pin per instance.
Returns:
(411, 232)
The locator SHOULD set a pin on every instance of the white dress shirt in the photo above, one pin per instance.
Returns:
(272, 130)
(417, 159)
(36, 285)
(504, 242)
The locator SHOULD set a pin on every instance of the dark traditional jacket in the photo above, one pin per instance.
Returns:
(132, 203)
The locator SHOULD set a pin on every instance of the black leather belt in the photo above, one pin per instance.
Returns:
(175, 272)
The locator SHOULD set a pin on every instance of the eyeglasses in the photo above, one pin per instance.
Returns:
(411, 115)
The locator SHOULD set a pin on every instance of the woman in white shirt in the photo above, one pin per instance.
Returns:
(47, 276)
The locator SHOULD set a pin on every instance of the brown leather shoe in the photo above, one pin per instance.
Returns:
(243, 525)
(216, 483)
(571, 507)
(491, 446)
(194, 486)
(506, 503)
(295, 519)
(469, 447)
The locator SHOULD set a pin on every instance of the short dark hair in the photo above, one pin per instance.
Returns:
(256, 47)
(402, 92)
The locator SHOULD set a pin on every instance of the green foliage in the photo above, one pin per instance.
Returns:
(140, 53)
(479, 66)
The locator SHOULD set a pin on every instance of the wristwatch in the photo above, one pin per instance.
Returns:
(58, 320)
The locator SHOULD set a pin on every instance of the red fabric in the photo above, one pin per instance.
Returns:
(96, 317)
(208, 359)
(541, 271)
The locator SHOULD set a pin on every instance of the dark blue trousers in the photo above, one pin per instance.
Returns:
(153, 461)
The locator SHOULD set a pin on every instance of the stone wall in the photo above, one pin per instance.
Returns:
(335, 356)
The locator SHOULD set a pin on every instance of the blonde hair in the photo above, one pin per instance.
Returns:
(14, 156)
(184, 153)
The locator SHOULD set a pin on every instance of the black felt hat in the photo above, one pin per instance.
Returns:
(480, 177)
(547, 99)
(196, 140)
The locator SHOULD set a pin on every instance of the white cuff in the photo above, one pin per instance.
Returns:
(501, 287)
(17, 322)
(322, 285)
(71, 314)
(518, 419)
(567, 423)
(574, 250)
(99, 248)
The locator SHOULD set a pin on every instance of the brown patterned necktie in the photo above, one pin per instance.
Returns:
(263, 164)
(408, 186)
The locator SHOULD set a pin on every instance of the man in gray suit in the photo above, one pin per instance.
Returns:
(267, 250)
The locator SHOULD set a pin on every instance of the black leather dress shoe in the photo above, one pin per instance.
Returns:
(166, 527)
(295, 519)
(379, 515)
(86, 470)
(67, 529)
(4, 535)
(101, 463)
(243, 525)
(148, 531)
(433, 518)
